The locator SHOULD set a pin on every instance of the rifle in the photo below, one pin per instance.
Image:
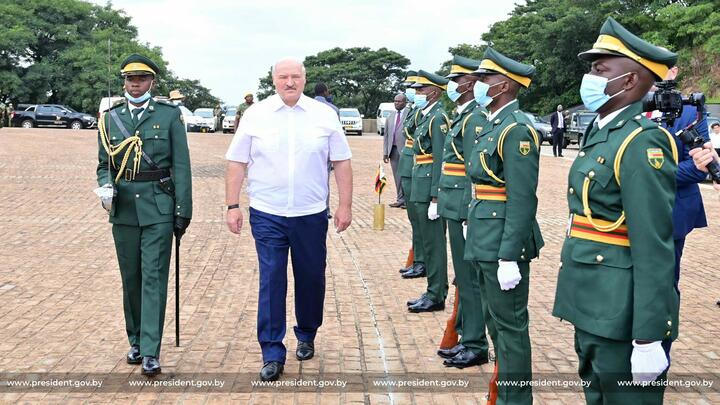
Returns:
(450, 336)
(177, 292)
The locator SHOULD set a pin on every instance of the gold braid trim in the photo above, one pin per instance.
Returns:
(133, 143)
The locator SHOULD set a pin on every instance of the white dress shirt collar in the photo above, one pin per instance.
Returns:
(606, 119)
(495, 114)
(428, 108)
(461, 108)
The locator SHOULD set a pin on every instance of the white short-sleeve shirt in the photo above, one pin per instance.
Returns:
(287, 150)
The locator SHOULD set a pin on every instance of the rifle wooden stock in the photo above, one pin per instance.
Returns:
(410, 258)
(492, 387)
(450, 336)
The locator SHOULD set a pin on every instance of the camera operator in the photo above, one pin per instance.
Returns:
(703, 157)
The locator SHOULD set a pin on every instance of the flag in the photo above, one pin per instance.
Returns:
(380, 180)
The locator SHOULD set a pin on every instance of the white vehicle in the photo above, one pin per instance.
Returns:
(108, 102)
(207, 121)
(351, 121)
(384, 109)
(228, 123)
(192, 121)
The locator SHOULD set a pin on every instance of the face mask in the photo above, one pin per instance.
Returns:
(480, 91)
(421, 101)
(410, 95)
(452, 92)
(137, 100)
(592, 91)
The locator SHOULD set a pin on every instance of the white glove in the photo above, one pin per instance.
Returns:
(508, 275)
(647, 361)
(465, 230)
(432, 211)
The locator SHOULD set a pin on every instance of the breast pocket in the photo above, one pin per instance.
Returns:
(266, 143)
(315, 140)
(157, 144)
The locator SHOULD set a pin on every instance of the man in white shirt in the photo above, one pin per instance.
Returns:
(557, 122)
(282, 145)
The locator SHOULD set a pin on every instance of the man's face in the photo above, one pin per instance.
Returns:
(289, 80)
(465, 83)
(399, 102)
(138, 85)
(495, 81)
(249, 99)
(431, 92)
(716, 129)
(559, 108)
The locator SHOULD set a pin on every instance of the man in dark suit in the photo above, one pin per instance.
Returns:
(557, 121)
(393, 143)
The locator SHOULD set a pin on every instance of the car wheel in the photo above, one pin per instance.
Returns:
(27, 124)
(566, 142)
(76, 125)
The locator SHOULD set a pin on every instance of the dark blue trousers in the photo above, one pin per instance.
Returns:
(679, 245)
(305, 238)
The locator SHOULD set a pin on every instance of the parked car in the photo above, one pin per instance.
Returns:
(207, 119)
(384, 109)
(192, 121)
(228, 124)
(543, 127)
(579, 121)
(351, 121)
(51, 115)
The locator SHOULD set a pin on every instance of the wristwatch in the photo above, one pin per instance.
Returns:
(233, 206)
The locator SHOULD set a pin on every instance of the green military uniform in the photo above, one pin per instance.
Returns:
(452, 206)
(503, 169)
(429, 138)
(143, 212)
(405, 165)
(616, 279)
(242, 107)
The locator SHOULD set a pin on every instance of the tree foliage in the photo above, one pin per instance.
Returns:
(357, 77)
(57, 51)
(550, 33)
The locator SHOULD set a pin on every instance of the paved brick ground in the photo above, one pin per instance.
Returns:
(60, 291)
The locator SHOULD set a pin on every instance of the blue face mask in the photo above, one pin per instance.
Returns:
(452, 92)
(480, 91)
(137, 100)
(410, 95)
(421, 101)
(592, 91)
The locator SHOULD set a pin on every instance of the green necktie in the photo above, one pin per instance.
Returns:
(135, 113)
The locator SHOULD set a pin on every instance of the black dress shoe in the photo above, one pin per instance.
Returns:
(417, 271)
(271, 371)
(451, 352)
(406, 269)
(150, 366)
(415, 301)
(305, 350)
(426, 305)
(403, 206)
(133, 355)
(396, 204)
(466, 358)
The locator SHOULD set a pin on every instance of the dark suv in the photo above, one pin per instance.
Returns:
(51, 115)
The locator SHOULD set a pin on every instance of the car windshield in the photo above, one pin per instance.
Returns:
(349, 113)
(204, 113)
(69, 109)
(385, 113)
(585, 119)
(230, 112)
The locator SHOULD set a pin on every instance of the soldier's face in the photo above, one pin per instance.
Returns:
(138, 85)
(433, 93)
(289, 81)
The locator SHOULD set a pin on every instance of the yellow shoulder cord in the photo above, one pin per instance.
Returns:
(133, 143)
(430, 131)
(501, 138)
(416, 115)
(462, 133)
(407, 134)
(616, 169)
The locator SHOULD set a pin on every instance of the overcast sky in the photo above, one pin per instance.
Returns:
(229, 44)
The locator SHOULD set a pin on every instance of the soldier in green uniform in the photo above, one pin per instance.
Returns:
(616, 279)
(242, 107)
(503, 235)
(429, 138)
(405, 165)
(143, 152)
(452, 206)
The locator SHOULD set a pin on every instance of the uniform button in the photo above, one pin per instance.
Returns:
(428, 174)
(669, 323)
(438, 188)
(494, 214)
(178, 206)
(523, 250)
(155, 136)
(561, 265)
(137, 195)
(591, 174)
(581, 154)
(571, 190)
(522, 257)
(444, 150)
(469, 205)
(469, 163)
(177, 213)
(599, 258)
(637, 117)
(484, 150)
(476, 141)
(456, 185)
(668, 333)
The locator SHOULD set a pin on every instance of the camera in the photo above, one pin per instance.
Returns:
(670, 102)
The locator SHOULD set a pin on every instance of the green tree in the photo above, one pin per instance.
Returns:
(357, 77)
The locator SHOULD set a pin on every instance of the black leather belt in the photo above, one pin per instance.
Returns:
(147, 175)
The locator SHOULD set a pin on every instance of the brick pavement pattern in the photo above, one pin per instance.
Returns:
(61, 295)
